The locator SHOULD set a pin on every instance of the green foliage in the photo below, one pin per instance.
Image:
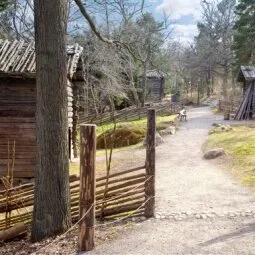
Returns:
(244, 45)
(4, 5)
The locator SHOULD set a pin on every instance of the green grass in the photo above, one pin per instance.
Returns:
(239, 144)
(130, 133)
(161, 120)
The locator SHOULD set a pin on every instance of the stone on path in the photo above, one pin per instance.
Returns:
(158, 140)
(171, 130)
(214, 153)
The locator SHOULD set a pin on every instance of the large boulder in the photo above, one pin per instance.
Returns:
(158, 140)
(171, 130)
(219, 128)
(214, 153)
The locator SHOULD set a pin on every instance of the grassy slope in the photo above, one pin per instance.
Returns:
(239, 144)
(137, 123)
(162, 121)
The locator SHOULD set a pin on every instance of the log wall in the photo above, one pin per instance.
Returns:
(155, 89)
(17, 123)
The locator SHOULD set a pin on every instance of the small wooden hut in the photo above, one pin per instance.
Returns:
(246, 109)
(18, 104)
(155, 86)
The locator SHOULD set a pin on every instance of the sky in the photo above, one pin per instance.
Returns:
(184, 15)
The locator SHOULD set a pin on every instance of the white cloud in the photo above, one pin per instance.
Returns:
(185, 33)
(179, 8)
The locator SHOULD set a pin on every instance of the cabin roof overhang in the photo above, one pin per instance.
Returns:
(246, 73)
(155, 74)
(17, 60)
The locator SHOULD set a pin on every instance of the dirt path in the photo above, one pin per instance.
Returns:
(200, 208)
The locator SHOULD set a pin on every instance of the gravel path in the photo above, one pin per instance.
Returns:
(200, 209)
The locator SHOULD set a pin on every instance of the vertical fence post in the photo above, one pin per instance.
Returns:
(150, 164)
(87, 187)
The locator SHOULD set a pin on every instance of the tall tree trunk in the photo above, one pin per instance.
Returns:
(144, 84)
(52, 196)
(198, 93)
(132, 83)
(225, 82)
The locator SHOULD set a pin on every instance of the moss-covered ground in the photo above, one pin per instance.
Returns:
(139, 126)
(239, 145)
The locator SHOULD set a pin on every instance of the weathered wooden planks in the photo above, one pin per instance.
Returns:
(17, 123)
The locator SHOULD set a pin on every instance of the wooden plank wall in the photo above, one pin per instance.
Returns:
(155, 86)
(17, 123)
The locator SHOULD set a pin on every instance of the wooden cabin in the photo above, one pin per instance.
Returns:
(246, 75)
(18, 104)
(155, 86)
(246, 109)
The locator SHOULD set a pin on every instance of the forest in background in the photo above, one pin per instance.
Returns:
(116, 72)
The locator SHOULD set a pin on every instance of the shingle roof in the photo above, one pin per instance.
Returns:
(246, 73)
(18, 58)
(155, 73)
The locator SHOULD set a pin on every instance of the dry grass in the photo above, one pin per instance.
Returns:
(130, 133)
(125, 157)
(239, 145)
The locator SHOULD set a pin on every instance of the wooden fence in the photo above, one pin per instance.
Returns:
(125, 193)
(228, 106)
(115, 195)
(129, 114)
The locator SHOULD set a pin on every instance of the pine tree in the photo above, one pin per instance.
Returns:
(4, 4)
(244, 38)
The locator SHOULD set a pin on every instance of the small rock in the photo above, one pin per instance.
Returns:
(216, 124)
(203, 217)
(214, 153)
(171, 130)
(158, 140)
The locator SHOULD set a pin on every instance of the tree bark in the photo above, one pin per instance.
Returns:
(52, 196)
(132, 84)
(150, 164)
(144, 84)
(225, 81)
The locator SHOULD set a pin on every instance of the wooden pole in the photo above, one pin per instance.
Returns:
(87, 187)
(150, 164)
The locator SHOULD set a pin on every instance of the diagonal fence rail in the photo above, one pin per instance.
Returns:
(114, 196)
(129, 114)
(126, 192)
